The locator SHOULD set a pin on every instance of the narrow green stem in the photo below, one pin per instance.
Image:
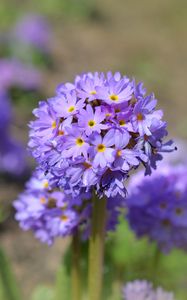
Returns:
(156, 262)
(76, 269)
(96, 249)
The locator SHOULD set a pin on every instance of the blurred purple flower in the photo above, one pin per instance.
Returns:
(12, 156)
(14, 73)
(157, 206)
(5, 112)
(143, 290)
(33, 30)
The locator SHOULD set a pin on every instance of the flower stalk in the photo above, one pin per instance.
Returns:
(76, 268)
(96, 249)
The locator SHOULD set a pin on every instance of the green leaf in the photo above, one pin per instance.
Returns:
(8, 284)
(63, 289)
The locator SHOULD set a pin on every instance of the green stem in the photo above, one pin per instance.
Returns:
(96, 249)
(156, 262)
(76, 269)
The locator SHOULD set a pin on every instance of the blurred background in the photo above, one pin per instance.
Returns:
(43, 43)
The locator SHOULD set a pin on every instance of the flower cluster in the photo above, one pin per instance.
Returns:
(51, 213)
(143, 290)
(157, 206)
(94, 131)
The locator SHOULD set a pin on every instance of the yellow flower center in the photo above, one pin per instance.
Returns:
(71, 108)
(64, 218)
(91, 123)
(51, 203)
(166, 222)
(101, 148)
(122, 123)
(45, 184)
(93, 92)
(163, 205)
(86, 165)
(79, 142)
(114, 97)
(42, 200)
(53, 124)
(60, 132)
(119, 153)
(139, 117)
(179, 211)
(133, 101)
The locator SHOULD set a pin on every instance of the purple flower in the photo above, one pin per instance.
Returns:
(143, 290)
(87, 85)
(98, 125)
(103, 151)
(5, 111)
(75, 144)
(33, 30)
(51, 213)
(14, 73)
(67, 105)
(115, 91)
(157, 206)
(12, 156)
(90, 121)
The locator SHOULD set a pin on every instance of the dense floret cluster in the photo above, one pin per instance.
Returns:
(50, 213)
(95, 131)
(143, 290)
(157, 206)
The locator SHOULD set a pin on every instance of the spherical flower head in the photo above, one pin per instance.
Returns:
(157, 206)
(143, 290)
(95, 131)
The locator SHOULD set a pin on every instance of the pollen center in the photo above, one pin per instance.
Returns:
(139, 117)
(71, 108)
(42, 200)
(166, 222)
(60, 132)
(86, 165)
(64, 218)
(179, 211)
(101, 148)
(45, 184)
(92, 92)
(53, 124)
(91, 123)
(79, 142)
(119, 153)
(114, 97)
(163, 205)
(122, 122)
